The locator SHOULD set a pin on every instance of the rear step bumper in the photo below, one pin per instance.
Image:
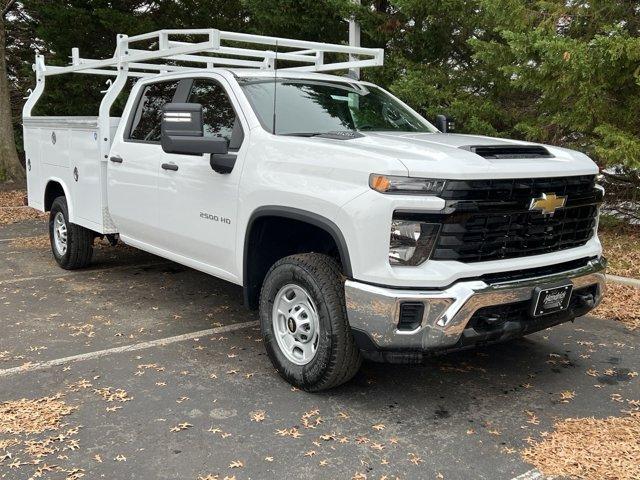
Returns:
(394, 324)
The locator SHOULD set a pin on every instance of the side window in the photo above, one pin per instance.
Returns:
(146, 123)
(218, 115)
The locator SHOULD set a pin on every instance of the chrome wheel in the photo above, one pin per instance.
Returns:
(60, 234)
(295, 324)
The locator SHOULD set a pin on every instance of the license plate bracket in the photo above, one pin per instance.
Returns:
(548, 299)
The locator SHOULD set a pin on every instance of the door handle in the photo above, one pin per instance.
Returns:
(170, 166)
(116, 159)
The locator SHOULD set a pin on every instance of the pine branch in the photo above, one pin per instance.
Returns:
(8, 8)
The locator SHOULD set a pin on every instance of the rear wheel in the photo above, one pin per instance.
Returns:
(71, 244)
(304, 322)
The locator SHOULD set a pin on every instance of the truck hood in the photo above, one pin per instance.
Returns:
(440, 155)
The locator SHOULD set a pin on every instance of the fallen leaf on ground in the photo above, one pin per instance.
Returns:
(595, 449)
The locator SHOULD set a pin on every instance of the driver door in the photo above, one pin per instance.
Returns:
(198, 207)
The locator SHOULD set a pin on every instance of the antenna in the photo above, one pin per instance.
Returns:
(275, 88)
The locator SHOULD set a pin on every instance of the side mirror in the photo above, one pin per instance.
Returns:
(182, 131)
(445, 124)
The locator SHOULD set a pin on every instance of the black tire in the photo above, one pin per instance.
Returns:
(337, 359)
(79, 241)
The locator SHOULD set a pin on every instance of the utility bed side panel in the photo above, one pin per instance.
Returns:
(66, 150)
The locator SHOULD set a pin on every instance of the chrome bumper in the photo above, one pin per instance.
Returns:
(375, 310)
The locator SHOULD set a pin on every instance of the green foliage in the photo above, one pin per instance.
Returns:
(577, 64)
(555, 71)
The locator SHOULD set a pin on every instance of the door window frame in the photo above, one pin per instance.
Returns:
(180, 96)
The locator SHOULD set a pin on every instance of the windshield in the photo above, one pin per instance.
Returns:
(306, 107)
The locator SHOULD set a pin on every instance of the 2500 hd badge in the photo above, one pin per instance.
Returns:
(215, 218)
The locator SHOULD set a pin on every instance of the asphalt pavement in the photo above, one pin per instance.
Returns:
(169, 379)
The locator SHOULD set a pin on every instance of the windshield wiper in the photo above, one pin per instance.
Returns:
(302, 134)
(336, 135)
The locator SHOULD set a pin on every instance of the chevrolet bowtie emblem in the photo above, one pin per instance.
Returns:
(548, 203)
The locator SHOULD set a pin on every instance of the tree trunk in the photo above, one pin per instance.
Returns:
(10, 167)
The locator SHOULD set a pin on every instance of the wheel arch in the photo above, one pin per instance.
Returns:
(251, 289)
(54, 188)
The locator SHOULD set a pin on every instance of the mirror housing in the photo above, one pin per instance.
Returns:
(445, 124)
(182, 131)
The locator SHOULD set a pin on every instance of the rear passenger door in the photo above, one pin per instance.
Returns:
(132, 169)
(198, 207)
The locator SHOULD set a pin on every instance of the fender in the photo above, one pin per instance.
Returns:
(301, 215)
(66, 194)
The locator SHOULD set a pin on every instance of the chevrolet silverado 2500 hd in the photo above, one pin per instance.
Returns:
(356, 227)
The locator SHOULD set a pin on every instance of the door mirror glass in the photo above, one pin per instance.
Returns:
(182, 131)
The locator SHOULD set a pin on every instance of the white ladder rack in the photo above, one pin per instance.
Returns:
(215, 48)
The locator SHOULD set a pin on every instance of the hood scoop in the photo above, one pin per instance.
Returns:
(509, 151)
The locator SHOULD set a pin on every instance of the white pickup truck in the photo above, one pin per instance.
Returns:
(356, 227)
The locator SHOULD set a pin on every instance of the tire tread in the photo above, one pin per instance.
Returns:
(80, 239)
(345, 359)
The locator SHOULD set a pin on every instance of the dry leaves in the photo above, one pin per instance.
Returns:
(567, 396)
(621, 303)
(26, 243)
(13, 209)
(18, 214)
(590, 448)
(180, 427)
(33, 416)
(622, 248)
(12, 198)
(113, 395)
(258, 416)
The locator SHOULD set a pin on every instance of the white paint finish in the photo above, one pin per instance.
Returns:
(124, 349)
(221, 48)
(438, 155)
(197, 207)
(84, 148)
(76, 145)
(33, 153)
(132, 189)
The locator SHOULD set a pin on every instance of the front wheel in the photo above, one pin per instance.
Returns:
(304, 322)
(71, 244)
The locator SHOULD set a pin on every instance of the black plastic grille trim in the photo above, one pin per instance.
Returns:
(509, 151)
(411, 314)
(488, 220)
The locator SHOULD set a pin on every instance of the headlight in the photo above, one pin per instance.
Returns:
(406, 185)
(411, 242)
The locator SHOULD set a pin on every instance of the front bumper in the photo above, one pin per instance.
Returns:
(374, 311)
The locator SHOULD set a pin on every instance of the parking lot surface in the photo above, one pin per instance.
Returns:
(167, 378)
